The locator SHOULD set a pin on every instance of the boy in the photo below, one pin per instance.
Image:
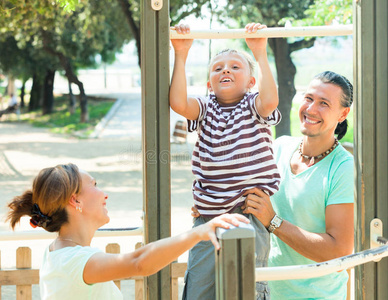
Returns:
(233, 152)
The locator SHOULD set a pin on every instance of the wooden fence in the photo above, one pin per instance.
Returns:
(23, 277)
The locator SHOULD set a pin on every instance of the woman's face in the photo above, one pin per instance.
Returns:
(321, 110)
(93, 200)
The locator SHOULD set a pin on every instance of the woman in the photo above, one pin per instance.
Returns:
(66, 200)
(312, 214)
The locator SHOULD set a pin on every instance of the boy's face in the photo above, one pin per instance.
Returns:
(230, 78)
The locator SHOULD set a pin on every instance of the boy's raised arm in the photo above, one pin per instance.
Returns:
(179, 102)
(268, 98)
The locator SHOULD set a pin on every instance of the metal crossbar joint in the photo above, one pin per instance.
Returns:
(376, 231)
(156, 4)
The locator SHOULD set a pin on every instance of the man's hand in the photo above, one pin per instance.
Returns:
(258, 203)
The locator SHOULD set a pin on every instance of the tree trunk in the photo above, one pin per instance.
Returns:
(71, 76)
(11, 88)
(83, 104)
(48, 95)
(36, 93)
(135, 29)
(23, 93)
(286, 71)
(72, 101)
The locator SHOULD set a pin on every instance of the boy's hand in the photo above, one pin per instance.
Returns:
(181, 44)
(194, 212)
(255, 43)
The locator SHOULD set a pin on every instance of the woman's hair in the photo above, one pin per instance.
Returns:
(248, 58)
(346, 99)
(46, 202)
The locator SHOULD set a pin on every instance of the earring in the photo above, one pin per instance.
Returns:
(78, 208)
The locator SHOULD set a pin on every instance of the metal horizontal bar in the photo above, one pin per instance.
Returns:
(321, 269)
(273, 32)
(39, 234)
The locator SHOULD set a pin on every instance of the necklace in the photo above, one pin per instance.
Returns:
(313, 158)
(67, 240)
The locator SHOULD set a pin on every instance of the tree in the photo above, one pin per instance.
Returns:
(179, 9)
(74, 38)
(24, 62)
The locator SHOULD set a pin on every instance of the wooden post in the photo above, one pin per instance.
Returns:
(235, 263)
(139, 282)
(0, 270)
(115, 249)
(155, 82)
(371, 138)
(23, 261)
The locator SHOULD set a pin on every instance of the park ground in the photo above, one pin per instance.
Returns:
(113, 157)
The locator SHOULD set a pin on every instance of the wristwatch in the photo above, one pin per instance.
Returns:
(275, 223)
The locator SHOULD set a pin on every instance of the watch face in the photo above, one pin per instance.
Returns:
(277, 221)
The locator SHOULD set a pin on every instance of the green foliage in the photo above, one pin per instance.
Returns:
(268, 12)
(68, 5)
(325, 12)
(80, 30)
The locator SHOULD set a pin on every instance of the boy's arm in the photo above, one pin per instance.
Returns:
(185, 106)
(268, 98)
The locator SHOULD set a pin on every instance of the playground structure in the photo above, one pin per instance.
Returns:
(370, 137)
(371, 143)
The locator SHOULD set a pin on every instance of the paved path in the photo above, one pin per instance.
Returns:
(114, 158)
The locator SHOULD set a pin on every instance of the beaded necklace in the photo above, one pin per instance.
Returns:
(313, 158)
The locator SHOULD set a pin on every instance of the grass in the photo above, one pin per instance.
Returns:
(62, 122)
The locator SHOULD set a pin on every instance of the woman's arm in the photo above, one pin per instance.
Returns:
(338, 240)
(152, 257)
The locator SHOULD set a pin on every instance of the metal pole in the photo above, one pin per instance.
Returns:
(155, 82)
(371, 137)
(40, 234)
(323, 268)
(273, 32)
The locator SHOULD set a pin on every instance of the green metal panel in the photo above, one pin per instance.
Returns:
(371, 132)
(364, 144)
(248, 269)
(156, 137)
(382, 134)
(235, 264)
(230, 265)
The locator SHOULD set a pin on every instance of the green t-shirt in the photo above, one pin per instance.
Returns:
(302, 200)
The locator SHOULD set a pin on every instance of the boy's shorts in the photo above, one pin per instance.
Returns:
(200, 273)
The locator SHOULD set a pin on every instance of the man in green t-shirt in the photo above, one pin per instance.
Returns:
(311, 216)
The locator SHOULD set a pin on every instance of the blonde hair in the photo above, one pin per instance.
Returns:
(51, 191)
(248, 58)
